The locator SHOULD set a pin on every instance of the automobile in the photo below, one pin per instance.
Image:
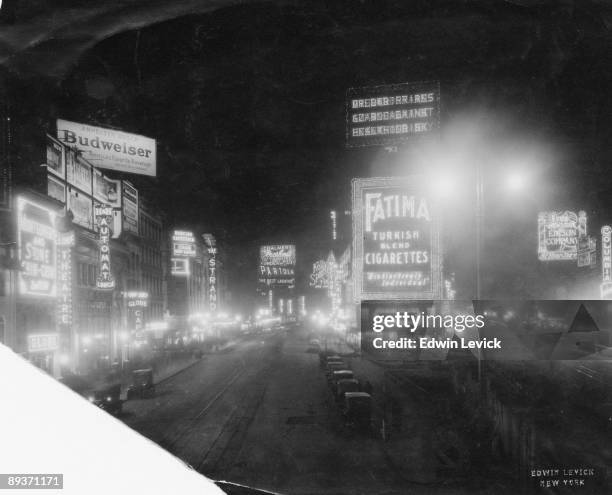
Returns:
(357, 410)
(314, 346)
(107, 398)
(325, 356)
(343, 374)
(334, 366)
(345, 385)
(142, 384)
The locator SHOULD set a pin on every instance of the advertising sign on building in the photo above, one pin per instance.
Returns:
(606, 262)
(391, 114)
(107, 190)
(37, 246)
(79, 174)
(211, 248)
(558, 234)
(104, 218)
(183, 244)
(179, 267)
(110, 149)
(129, 207)
(395, 240)
(81, 207)
(136, 299)
(319, 278)
(43, 342)
(65, 244)
(587, 249)
(277, 265)
(55, 159)
(56, 189)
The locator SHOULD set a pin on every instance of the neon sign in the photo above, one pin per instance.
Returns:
(104, 217)
(37, 244)
(395, 241)
(606, 262)
(212, 278)
(277, 265)
(179, 267)
(64, 278)
(558, 234)
(183, 244)
(319, 278)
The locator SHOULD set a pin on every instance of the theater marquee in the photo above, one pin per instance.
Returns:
(396, 240)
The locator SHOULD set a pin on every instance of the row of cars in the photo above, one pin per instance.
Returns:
(350, 394)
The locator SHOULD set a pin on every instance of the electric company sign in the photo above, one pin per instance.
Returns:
(558, 234)
(104, 218)
(396, 240)
(37, 246)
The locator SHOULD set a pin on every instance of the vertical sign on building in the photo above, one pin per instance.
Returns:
(606, 262)
(37, 245)
(211, 247)
(66, 242)
(334, 224)
(104, 218)
(5, 155)
(395, 240)
(129, 206)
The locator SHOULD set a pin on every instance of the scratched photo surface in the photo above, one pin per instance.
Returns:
(206, 207)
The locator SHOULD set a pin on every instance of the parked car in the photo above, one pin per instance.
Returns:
(346, 385)
(142, 384)
(339, 375)
(357, 410)
(334, 366)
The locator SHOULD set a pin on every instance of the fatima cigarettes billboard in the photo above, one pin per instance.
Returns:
(110, 149)
(396, 240)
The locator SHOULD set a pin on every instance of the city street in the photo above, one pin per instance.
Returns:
(261, 414)
(319, 247)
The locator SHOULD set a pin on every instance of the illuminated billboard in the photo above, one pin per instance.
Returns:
(37, 245)
(278, 254)
(558, 234)
(110, 149)
(179, 267)
(183, 244)
(391, 114)
(277, 265)
(395, 240)
(104, 219)
(66, 242)
(606, 262)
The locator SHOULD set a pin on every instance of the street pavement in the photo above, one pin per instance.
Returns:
(261, 414)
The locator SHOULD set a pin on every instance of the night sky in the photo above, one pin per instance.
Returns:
(247, 102)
